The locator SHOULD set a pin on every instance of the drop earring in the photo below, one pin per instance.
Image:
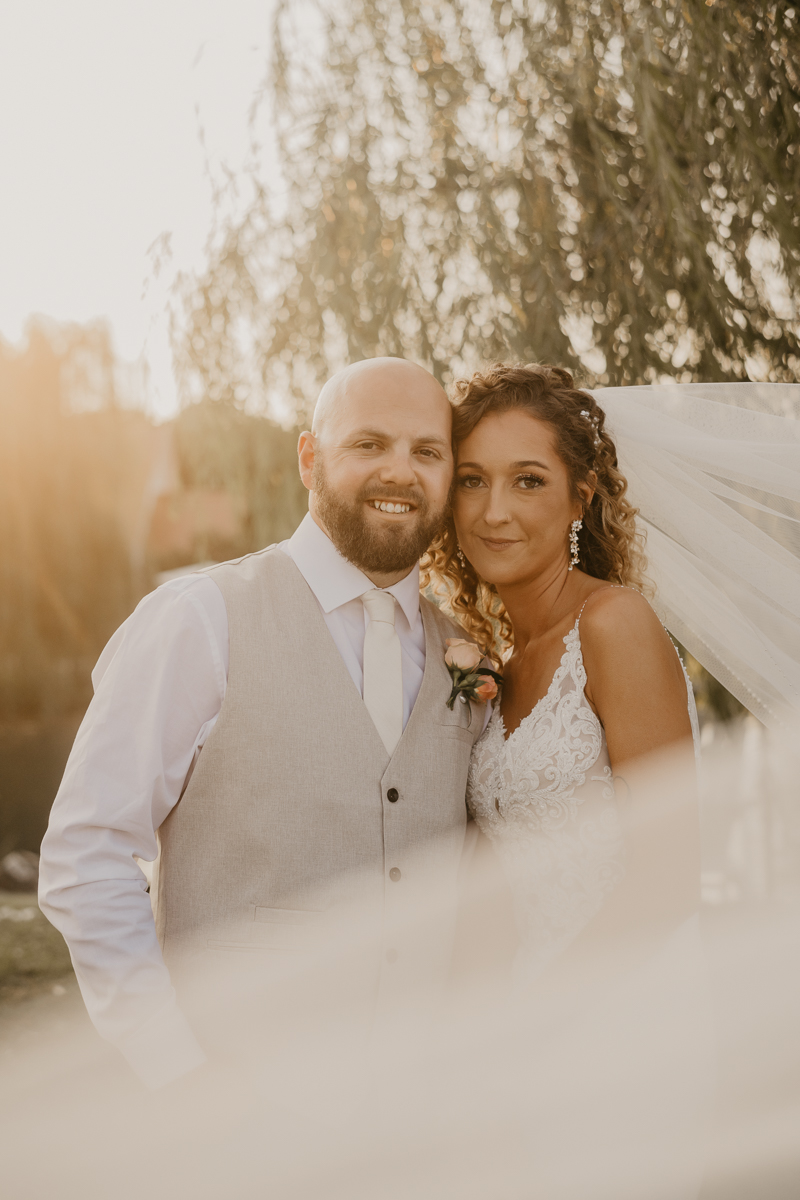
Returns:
(574, 529)
(462, 562)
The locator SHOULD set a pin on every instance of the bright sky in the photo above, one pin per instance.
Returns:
(100, 155)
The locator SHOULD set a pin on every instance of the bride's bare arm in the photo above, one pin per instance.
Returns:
(634, 679)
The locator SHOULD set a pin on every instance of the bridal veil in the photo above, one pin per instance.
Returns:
(714, 470)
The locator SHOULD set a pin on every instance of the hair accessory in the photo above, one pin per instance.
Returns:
(574, 530)
(594, 422)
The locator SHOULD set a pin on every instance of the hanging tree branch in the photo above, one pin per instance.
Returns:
(610, 186)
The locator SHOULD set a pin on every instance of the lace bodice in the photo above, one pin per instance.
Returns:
(545, 798)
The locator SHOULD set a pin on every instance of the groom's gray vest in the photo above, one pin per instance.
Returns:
(295, 813)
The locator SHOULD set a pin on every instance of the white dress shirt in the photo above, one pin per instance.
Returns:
(158, 689)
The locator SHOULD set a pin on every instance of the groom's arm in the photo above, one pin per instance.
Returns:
(159, 686)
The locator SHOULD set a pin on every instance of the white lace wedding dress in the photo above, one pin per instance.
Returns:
(626, 1076)
(544, 798)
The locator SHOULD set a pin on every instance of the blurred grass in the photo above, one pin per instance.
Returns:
(33, 955)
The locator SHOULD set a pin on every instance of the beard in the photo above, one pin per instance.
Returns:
(376, 551)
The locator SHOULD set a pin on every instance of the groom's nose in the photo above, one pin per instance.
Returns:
(398, 467)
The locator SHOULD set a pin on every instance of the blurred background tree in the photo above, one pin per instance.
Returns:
(608, 185)
(67, 458)
(81, 478)
(222, 449)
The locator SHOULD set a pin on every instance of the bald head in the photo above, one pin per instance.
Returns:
(377, 382)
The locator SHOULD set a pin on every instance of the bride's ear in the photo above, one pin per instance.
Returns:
(587, 489)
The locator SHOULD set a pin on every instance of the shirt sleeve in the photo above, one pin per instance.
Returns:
(159, 686)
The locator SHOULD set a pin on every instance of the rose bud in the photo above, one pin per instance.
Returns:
(462, 654)
(486, 689)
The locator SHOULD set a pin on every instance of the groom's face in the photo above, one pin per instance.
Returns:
(379, 467)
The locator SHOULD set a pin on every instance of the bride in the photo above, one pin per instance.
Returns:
(544, 567)
(544, 557)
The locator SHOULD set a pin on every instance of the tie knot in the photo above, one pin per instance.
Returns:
(379, 606)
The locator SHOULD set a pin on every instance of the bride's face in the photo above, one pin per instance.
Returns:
(513, 503)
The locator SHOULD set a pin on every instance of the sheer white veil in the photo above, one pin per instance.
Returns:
(714, 470)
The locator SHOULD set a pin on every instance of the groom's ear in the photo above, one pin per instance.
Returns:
(305, 457)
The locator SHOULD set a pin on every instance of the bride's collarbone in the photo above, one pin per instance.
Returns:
(528, 678)
(540, 655)
(529, 673)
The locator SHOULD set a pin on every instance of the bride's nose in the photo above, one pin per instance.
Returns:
(496, 512)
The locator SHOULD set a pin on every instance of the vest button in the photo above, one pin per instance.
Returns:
(394, 874)
(393, 795)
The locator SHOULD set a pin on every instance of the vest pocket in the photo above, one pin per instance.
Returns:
(287, 916)
(273, 929)
(287, 928)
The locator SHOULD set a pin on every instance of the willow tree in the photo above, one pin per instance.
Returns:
(609, 184)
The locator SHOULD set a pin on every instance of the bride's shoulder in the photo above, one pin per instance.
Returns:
(613, 602)
(620, 620)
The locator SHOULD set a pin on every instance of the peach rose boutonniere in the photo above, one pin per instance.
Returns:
(471, 681)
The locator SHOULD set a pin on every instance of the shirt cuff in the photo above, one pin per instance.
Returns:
(164, 1048)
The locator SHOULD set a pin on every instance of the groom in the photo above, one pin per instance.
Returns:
(275, 731)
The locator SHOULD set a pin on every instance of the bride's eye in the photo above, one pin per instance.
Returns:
(469, 482)
(529, 482)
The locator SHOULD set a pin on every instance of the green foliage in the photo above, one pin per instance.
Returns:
(32, 952)
(606, 185)
(221, 448)
(714, 702)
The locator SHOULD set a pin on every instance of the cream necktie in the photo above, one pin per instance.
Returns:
(383, 668)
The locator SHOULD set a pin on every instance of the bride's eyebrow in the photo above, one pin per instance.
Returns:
(515, 466)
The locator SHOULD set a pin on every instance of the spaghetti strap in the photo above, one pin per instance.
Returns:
(610, 587)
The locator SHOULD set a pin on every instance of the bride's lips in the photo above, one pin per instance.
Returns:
(498, 543)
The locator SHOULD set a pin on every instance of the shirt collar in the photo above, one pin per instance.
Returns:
(334, 580)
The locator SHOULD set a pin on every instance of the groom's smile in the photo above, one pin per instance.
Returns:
(389, 506)
(400, 506)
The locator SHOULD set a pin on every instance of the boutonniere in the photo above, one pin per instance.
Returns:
(463, 662)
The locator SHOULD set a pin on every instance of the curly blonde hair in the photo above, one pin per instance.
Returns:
(610, 545)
